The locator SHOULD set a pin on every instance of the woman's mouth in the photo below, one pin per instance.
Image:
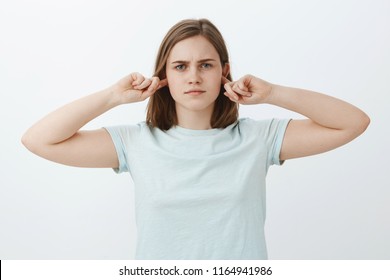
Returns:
(194, 92)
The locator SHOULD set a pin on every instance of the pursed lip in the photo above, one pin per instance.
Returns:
(194, 91)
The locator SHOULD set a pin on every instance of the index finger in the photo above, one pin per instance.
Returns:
(224, 80)
(163, 83)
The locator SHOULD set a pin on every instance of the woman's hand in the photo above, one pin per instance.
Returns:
(135, 88)
(248, 90)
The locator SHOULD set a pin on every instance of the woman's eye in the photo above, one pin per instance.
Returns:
(180, 67)
(206, 65)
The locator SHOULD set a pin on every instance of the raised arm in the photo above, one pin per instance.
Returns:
(331, 122)
(57, 137)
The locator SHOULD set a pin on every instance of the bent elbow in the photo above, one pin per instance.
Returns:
(360, 126)
(30, 143)
(364, 123)
(26, 141)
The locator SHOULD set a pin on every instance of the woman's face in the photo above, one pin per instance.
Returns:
(194, 74)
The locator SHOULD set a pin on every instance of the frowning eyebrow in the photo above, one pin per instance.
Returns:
(199, 61)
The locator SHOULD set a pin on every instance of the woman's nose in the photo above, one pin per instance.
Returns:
(194, 76)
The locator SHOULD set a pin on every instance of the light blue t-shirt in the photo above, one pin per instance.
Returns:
(200, 194)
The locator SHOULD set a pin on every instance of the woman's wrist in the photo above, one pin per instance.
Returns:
(272, 95)
(113, 96)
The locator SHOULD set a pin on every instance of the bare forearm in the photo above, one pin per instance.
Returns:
(67, 120)
(325, 110)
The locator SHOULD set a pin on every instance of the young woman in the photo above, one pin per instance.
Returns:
(198, 170)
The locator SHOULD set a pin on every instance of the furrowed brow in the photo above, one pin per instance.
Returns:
(199, 61)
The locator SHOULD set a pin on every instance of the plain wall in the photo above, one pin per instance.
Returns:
(329, 206)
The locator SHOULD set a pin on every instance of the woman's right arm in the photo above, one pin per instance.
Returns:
(57, 137)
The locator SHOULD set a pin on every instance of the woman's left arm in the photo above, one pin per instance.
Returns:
(331, 122)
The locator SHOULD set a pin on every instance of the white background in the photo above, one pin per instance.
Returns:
(330, 206)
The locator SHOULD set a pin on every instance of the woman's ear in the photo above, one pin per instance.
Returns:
(226, 70)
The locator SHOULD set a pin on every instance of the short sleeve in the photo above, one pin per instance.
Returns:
(123, 137)
(274, 140)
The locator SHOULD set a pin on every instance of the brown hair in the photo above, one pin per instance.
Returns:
(161, 110)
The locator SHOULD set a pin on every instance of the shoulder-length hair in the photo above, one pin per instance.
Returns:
(161, 110)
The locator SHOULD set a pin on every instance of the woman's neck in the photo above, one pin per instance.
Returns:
(197, 120)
